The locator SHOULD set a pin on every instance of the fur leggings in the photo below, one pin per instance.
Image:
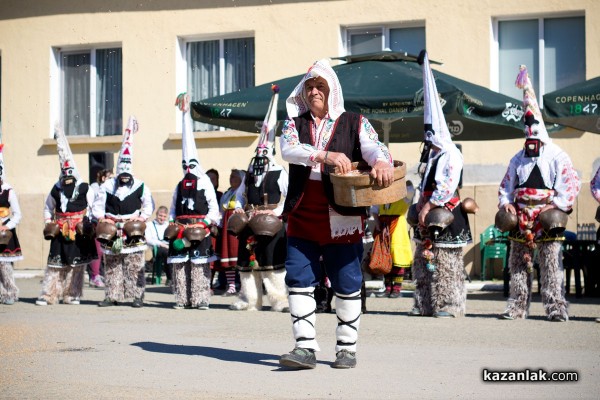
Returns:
(124, 276)
(443, 289)
(552, 280)
(191, 283)
(65, 283)
(8, 287)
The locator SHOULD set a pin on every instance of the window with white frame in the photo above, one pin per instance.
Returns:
(217, 67)
(90, 91)
(377, 38)
(553, 49)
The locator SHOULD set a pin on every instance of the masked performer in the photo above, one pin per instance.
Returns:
(438, 267)
(195, 210)
(262, 244)
(122, 206)
(10, 250)
(70, 231)
(540, 179)
(318, 136)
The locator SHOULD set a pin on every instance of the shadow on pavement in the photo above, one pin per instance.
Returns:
(213, 352)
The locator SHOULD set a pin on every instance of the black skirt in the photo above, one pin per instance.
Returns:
(270, 252)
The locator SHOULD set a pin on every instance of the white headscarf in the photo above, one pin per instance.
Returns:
(125, 160)
(297, 104)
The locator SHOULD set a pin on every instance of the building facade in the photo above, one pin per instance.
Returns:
(87, 65)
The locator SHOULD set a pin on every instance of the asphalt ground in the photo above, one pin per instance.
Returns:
(87, 352)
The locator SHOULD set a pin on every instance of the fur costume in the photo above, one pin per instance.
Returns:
(539, 176)
(438, 266)
(10, 216)
(67, 205)
(121, 199)
(9, 292)
(194, 206)
(261, 259)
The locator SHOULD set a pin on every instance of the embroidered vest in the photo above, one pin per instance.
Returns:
(344, 139)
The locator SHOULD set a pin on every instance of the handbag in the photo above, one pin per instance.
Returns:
(381, 258)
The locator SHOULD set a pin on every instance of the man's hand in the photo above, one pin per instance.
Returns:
(3, 228)
(108, 221)
(383, 172)
(338, 160)
(510, 208)
(424, 211)
(238, 211)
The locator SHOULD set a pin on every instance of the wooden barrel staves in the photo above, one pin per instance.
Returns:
(358, 189)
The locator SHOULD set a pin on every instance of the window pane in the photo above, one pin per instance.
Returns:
(203, 74)
(239, 64)
(365, 42)
(410, 40)
(109, 91)
(76, 94)
(518, 43)
(564, 52)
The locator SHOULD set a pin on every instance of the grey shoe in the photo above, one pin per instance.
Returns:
(178, 306)
(41, 302)
(107, 303)
(443, 314)
(203, 306)
(415, 312)
(506, 316)
(299, 358)
(558, 318)
(137, 303)
(344, 359)
(9, 302)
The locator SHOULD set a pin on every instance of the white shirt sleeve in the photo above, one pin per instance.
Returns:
(147, 203)
(506, 191)
(214, 215)
(151, 235)
(447, 177)
(371, 148)
(49, 208)
(283, 182)
(99, 205)
(15, 210)
(292, 150)
(567, 184)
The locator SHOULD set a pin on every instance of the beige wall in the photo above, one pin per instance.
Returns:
(289, 36)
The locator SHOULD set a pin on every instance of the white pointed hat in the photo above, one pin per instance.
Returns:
(435, 126)
(65, 156)
(534, 124)
(266, 141)
(190, 162)
(125, 160)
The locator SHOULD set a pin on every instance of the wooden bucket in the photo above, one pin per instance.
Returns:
(358, 189)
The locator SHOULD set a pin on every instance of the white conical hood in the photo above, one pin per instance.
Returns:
(436, 129)
(65, 156)
(534, 124)
(190, 161)
(125, 161)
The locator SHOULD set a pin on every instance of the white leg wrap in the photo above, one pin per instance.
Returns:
(303, 311)
(347, 309)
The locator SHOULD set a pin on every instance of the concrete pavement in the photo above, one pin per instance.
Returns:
(80, 352)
